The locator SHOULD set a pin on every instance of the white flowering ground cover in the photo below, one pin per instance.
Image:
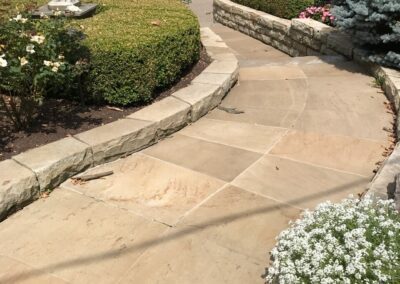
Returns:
(350, 242)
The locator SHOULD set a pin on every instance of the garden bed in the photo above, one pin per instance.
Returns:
(61, 118)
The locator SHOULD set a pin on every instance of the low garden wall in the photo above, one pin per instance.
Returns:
(301, 37)
(24, 177)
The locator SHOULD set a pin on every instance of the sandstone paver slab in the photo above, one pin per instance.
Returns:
(149, 187)
(193, 259)
(170, 114)
(271, 73)
(55, 162)
(17, 186)
(76, 238)
(20, 273)
(344, 153)
(246, 136)
(297, 183)
(216, 160)
(121, 137)
(202, 98)
(241, 221)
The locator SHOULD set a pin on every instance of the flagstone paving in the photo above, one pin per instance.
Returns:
(205, 205)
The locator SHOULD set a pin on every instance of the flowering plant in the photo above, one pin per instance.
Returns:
(321, 14)
(37, 58)
(349, 242)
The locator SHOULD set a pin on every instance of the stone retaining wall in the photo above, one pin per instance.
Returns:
(301, 37)
(26, 175)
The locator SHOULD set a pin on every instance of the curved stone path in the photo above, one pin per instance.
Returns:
(205, 205)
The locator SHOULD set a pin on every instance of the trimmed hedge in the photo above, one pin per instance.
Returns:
(287, 9)
(137, 47)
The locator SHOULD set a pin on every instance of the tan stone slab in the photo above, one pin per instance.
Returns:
(193, 259)
(209, 38)
(223, 67)
(122, 137)
(55, 162)
(170, 114)
(17, 186)
(149, 187)
(223, 80)
(16, 272)
(76, 238)
(216, 160)
(339, 152)
(271, 73)
(290, 94)
(297, 183)
(229, 216)
(364, 126)
(202, 98)
(353, 94)
(264, 116)
(333, 69)
(246, 136)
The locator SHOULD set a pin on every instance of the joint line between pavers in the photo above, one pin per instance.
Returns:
(317, 166)
(32, 171)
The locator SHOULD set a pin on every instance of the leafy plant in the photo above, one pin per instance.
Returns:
(374, 24)
(38, 58)
(321, 13)
(350, 242)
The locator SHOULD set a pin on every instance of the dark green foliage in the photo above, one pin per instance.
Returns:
(281, 8)
(139, 47)
(374, 24)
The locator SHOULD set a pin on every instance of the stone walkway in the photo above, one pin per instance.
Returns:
(205, 205)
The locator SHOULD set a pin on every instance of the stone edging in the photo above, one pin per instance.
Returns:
(300, 37)
(25, 176)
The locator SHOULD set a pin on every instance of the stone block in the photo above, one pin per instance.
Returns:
(304, 26)
(53, 163)
(267, 21)
(281, 25)
(341, 43)
(224, 80)
(170, 114)
(111, 141)
(202, 98)
(18, 186)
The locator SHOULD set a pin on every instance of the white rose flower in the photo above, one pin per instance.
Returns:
(3, 62)
(54, 69)
(19, 18)
(38, 38)
(23, 61)
(47, 63)
(30, 48)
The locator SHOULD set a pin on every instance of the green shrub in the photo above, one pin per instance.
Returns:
(137, 47)
(281, 8)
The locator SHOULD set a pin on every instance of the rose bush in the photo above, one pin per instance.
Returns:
(349, 242)
(38, 58)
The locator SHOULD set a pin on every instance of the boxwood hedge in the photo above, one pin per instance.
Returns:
(137, 47)
(281, 8)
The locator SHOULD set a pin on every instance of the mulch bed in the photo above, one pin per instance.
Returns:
(60, 118)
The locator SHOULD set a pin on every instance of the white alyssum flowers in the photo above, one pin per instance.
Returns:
(3, 62)
(23, 61)
(349, 242)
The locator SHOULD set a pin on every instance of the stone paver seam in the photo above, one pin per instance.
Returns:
(45, 272)
(250, 123)
(262, 156)
(317, 165)
(180, 166)
(198, 205)
(112, 205)
(124, 274)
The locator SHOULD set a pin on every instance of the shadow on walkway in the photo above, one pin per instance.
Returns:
(182, 232)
